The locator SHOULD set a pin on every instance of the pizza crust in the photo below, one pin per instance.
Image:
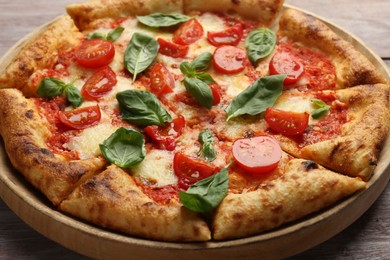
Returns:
(40, 53)
(25, 133)
(352, 67)
(304, 188)
(113, 200)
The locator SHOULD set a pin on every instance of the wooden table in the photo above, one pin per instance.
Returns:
(367, 238)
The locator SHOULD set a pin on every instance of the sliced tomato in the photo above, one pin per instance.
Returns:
(285, 63)
(172, 49)
(189, 32)
(231, 36)
(161, 80)
(216, 95)
(166, 136)
(229, 59)
(80, 118)
(99, 84)
(257, 155)
(95, 53)
(189, 170)
(286, 122)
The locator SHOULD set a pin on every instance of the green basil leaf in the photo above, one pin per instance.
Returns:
(202, 62)
(186, 69)
(73, 95)
(205, 77)
(257, 97)
(162, 20)
(259, 44)
(200, 91)
(115, 34)
(140, 53)
(206, 138)
(95, 36)
(124, 148)
(50, 87)
(321, 111)
(205, 195)
(142, 108)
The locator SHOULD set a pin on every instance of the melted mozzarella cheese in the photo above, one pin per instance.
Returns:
(157, 168)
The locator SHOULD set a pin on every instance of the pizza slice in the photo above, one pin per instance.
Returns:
(26, 134)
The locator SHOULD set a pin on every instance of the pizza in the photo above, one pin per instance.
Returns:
(187, 120)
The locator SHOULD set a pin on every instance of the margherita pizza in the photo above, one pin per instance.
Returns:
(189, 120)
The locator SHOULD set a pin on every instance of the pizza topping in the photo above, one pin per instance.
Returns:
(172, 49)
(142, 108)
(259, 44)
(322, 109)
(215, 89)
(52, 87)
(161, 80)
(80, 118)
(257, 155)
(189, 170)
(140, 53)
(163, 195)
(286, 63)
(231, 36)
(99, 84)
(188, 33)
(206, 138)
(166, 136)
(257, 97)
(111, 36)
(200, 91)
(124, 148)
(205, 195)
(229, 59)
(163, 20)
(95, 53)
(286, 122)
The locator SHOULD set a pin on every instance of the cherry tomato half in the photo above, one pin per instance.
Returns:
(257, 155)
(80, 118)
(161, 80)
(229, 59)
(285, 122)
(95, 53)
(230, 36)
(166, 136)
(216, 94)
(189, 170)
(172, 49)
(285, 63)
(99, 84)
(189, 32)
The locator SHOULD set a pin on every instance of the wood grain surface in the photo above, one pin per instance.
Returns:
(367, 238)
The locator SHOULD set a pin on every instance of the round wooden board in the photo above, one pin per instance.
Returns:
(95, 242)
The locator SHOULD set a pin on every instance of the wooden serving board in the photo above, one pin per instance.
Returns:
(96, 242)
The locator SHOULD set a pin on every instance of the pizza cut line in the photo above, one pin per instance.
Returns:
(185, 121)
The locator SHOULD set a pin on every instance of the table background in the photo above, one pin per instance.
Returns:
(367, 238)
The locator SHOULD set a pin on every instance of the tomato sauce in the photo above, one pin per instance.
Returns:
(319, 72)
(162, 195)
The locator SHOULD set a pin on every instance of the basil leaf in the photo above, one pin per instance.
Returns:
(205, 77)
(162, 20)
(257, 97)
(202, 62)
(50, 87)
(200, 91)
(73, 95)
(140, 53)
(142, 108)
(186, 69)
(115, 34)
(96, 35)
(206, 138)
(124, 148)
(205, 195)
(321, 111)
(259, 44)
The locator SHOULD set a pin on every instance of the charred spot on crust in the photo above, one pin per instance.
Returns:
(46, 152)
(236, 2)
(373, 163)
(249, 133)
(29, 114)
(309, 165)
